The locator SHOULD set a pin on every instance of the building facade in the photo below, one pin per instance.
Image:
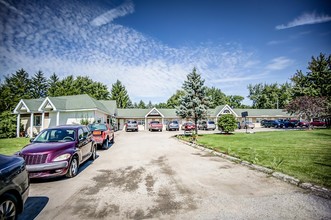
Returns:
(33, 115)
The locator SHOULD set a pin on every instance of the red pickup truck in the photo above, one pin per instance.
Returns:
(155, 126)
(103, 135)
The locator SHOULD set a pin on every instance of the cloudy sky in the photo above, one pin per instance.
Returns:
(150, 46)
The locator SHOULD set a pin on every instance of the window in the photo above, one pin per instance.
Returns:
(37, 120)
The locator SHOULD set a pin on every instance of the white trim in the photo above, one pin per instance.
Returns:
(45, 102)
(42, 120)
(18, 124)
(57, 118)
(19, 106)
(226, 107)
(153, 110)
(31, 125)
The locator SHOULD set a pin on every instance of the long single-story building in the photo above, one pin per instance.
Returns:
(33, 115)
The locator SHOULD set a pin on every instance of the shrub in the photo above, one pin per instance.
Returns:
(227, 123)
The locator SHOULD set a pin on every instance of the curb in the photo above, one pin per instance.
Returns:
(318, 190)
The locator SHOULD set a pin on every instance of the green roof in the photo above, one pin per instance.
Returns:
(33, 104)
(132, 113)
(78, 102)
(263, 112)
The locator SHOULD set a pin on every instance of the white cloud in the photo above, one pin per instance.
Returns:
(109, 16)
(65, 43)
(305, 19)
(279, 63)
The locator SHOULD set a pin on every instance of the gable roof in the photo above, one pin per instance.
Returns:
(28, 105)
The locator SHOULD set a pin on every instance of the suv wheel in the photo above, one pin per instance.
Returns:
(94, 152)
(8, 207)
(105, 144)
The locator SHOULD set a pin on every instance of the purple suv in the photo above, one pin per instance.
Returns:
(58, 151)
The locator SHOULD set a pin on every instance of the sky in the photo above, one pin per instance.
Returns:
(151, 45)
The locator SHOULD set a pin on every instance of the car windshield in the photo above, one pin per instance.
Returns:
(155, 122)
(211, 122)
(174, 122)
(132, 122)
(101, 127)
(56, 135)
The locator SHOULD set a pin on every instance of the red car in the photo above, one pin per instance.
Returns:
(103, 135)
(317, 123)
(303, 124)
(155, 126)
(188, 126)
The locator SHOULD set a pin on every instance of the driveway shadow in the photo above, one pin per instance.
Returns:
(33, 206)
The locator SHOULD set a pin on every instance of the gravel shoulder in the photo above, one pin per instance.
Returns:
(152, 175)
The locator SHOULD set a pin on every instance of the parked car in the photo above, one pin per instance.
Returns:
(291, 123)
(14, 186)
(268, 123)
(317, 123)
(262, 122)
(131, 125)
(247, 124)
(188, 126)
(103, 135)
(155, 126)
(172, 125)
(207, 125)
(59, 151)
(278, 124)
(303, 124)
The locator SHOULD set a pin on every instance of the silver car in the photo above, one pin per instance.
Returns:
(131, 125)
(172, 125)
(207, 125)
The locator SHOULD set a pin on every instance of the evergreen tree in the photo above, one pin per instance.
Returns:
(194, 103)
(150, 105)
(119, 93)
(53, 84)
(141, 104)
(39, 85)
(15, 88)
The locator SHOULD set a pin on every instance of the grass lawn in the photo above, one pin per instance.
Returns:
(303, 154)
(11, 145)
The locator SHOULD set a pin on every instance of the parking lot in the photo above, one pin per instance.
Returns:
(152, 175)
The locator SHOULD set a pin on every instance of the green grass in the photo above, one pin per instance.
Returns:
(12, 145)
(305, 155)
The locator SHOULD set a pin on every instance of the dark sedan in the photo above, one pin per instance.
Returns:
(59, 151)
(14, 186)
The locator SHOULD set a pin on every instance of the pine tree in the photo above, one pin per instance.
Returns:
(194, 103)
(119, 93)
(39, 85)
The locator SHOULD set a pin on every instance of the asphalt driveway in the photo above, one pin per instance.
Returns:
(152, 175)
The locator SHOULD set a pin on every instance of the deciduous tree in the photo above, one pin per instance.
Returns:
(308, 106)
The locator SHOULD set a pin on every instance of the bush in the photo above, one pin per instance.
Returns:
(7, 125)
(227, 123)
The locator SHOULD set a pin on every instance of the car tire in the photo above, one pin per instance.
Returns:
(8, 207)
(94, 152)
(105, 144)
(113, 140)
(73, 168)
